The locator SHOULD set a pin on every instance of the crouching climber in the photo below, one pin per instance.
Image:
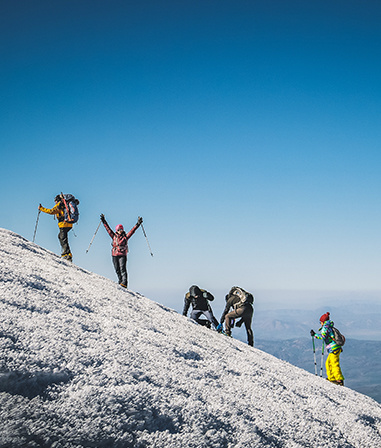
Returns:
(241, 303)
(199, 299)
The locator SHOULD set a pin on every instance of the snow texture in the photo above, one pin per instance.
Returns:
(85, 363)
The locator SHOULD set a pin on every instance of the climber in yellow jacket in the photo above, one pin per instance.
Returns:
(64, 226)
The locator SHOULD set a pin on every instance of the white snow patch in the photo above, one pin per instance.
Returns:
(84, 363)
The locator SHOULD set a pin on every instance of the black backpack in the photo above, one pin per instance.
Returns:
(338, 337)
(203, 296)
(207, 295)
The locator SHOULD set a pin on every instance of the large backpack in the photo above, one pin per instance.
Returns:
(245, 297)
(338, 337)
(71, 213)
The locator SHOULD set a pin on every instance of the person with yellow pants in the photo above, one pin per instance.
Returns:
(59, 211)
(332, 364)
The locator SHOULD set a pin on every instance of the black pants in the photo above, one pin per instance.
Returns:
(246, 314)
(62, 236)
(120, 265)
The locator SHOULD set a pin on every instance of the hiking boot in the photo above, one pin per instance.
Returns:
(68, 257)
(123, 285)
(340, 383)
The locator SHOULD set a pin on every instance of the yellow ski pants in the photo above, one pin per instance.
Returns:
(332, 366)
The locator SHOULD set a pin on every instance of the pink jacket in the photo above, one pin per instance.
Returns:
(119, 240)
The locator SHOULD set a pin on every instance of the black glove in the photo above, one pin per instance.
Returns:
(103, 217)
(312, 333)
(239, 323)
(140, 220)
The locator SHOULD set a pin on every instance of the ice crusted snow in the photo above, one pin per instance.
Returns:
(86, 363)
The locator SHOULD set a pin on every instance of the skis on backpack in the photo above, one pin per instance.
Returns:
(67, 208)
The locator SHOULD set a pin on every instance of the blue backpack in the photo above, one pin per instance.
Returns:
(71, 205)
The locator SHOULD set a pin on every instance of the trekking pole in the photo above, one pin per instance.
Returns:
(313, 347)
(149, 247)
(92, 239)
(35, 229)
(322, 359)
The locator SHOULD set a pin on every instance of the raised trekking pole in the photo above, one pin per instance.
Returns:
(35, 229)
(92, 239)
(145, 235)
(313, 347)
(322, 359)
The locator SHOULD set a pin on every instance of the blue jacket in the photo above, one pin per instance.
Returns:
(326, 334)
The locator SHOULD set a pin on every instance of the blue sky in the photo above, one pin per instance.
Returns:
(246, 133)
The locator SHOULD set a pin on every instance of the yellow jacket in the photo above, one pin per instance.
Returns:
(58, 211)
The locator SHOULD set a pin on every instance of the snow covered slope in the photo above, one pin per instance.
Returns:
(84, 363)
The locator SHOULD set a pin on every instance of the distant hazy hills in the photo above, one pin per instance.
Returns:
(286, 335)
(360, 361)
(355, 321)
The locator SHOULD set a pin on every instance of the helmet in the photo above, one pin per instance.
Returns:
(119, 227)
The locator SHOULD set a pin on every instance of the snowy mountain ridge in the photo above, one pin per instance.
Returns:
(84, 363)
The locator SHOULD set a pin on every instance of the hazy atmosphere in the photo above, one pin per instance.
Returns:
(245, 133)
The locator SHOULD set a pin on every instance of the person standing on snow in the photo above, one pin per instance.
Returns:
(64, 226)
(332, 364)
(242, 304)
(120, 248)
(199, 299)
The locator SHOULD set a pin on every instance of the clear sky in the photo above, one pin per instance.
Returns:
(246, 133)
